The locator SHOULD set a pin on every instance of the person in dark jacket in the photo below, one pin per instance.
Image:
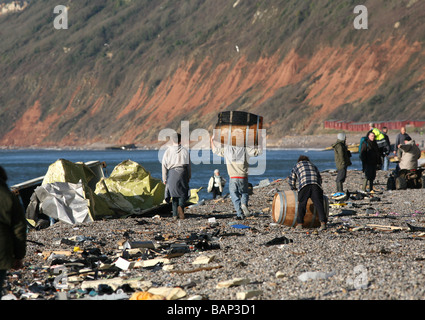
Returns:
(400, 138)
(342, 161)
(371, 159)
(12, 230)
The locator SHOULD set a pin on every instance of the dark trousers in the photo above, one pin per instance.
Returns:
(370, 175)
(2, 279)
(340, 179)
(216, 192)
(315, 193)
(342, 175)
(177, 202)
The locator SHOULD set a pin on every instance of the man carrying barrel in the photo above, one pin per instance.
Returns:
(309, 187)
(237, 168)
(238, 140)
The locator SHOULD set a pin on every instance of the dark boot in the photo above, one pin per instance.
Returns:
(371, 185)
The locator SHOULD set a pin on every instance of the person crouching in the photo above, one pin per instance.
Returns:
(309, 187)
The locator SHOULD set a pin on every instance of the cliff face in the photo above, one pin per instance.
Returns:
(124, 70)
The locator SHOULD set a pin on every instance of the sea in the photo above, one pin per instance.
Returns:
(25, 164)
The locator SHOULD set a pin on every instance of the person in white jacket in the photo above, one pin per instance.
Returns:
(408, 153)
(176, 174)
(216, 184)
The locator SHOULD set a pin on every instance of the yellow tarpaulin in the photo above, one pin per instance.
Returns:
(130, 188)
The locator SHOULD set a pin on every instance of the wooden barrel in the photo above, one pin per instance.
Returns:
(238, 128)
(285, 210)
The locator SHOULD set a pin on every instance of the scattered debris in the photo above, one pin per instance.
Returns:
(143, 295)
(385, 228)
(168, 293)
(414, 228)
(305, 276)
(279, 240)
(240, 226)
(232, 283)
(203, 259)
(248, 294)
(159, 258)
(197, 269)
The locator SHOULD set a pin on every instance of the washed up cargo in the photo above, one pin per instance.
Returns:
(238, 128)
(132, 189)
(285, 210)
(65, 195)
(74, 193)
(64, 202)
(24, 190)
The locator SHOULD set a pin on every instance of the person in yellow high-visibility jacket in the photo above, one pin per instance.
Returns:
(378, 134)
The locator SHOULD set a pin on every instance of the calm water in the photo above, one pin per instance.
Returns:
(23, 165)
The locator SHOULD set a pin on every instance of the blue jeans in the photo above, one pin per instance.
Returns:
(176, 202)
(238, 189)
(386, 163)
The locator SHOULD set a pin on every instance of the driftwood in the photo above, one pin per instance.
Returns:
(414, 228)
(385, 228)
(196, 270)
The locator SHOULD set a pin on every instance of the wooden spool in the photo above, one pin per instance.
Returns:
(238, 128)
(285, 210)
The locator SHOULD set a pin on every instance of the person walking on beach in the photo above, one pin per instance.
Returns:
(176, 174)
(12, 230)
(309, 187)
(371, 159)
(342, 160)
(237, 168)
(216, 184)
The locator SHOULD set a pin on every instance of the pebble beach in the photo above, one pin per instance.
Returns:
(369, 251)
